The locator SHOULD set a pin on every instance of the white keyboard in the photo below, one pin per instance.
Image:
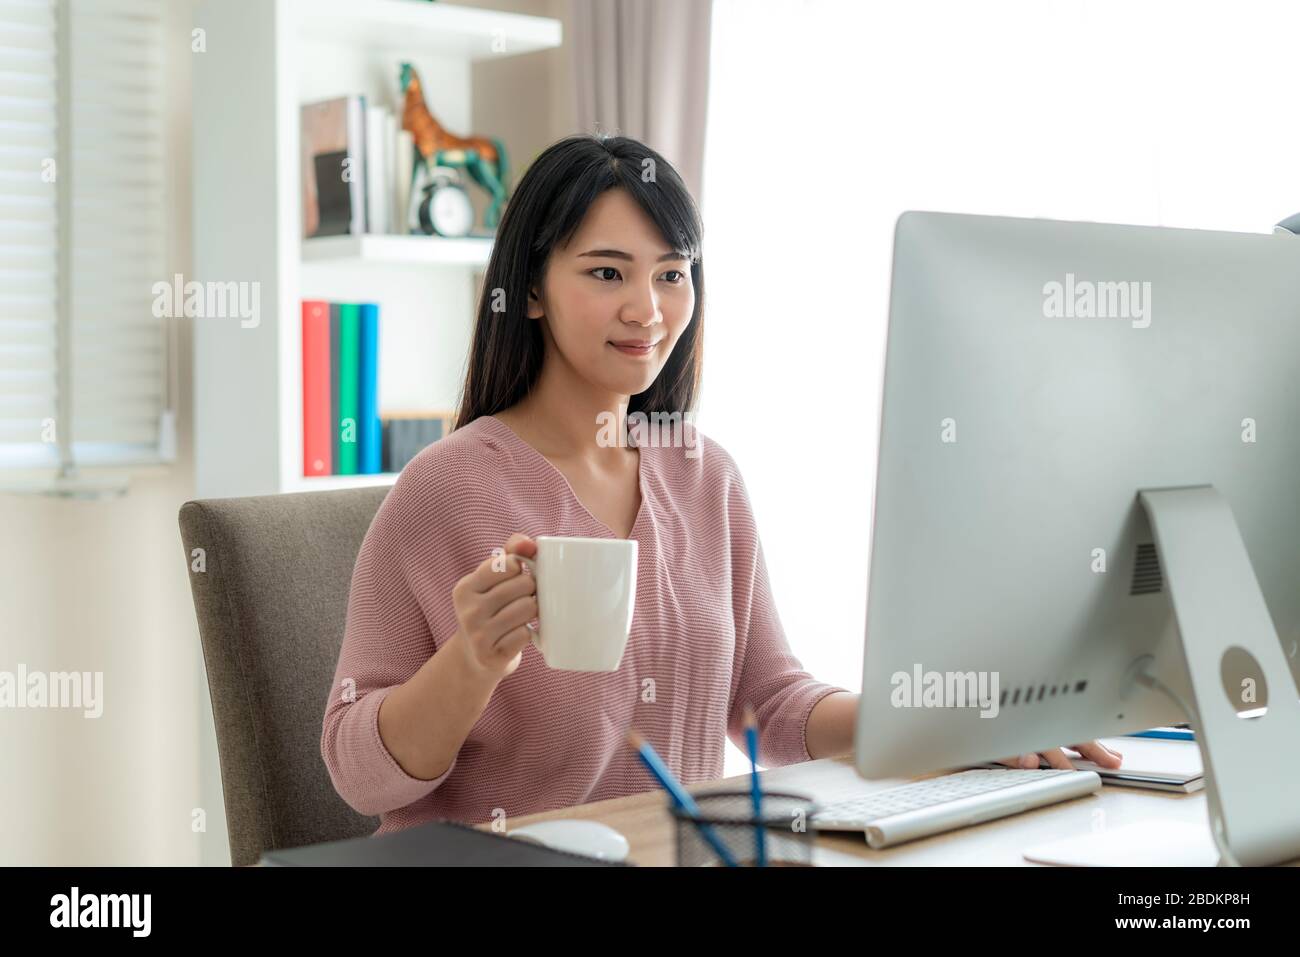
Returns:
(921, 808)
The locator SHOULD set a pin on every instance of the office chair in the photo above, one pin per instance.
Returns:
(270, 576)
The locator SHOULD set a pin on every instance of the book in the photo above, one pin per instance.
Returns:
(378, 195)
(391, 146)
(405, 176)
(349, 386)
(333, 167)
(1157, 763)
(336, 452)
(317, 452)
(1182, 733)
(405, 436)
(368, 426)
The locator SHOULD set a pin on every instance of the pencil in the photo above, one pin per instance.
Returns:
(755, 789)
(650, 758)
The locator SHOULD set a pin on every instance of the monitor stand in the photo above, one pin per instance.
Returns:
(1150, 842)
(1252, 776)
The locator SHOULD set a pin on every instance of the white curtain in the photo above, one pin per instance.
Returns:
(641, 69)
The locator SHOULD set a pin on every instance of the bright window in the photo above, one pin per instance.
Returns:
(828, 118)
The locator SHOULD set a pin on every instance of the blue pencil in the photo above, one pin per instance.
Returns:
(650, 758)
(755, 789)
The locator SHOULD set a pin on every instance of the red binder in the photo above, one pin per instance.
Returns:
(316, 437)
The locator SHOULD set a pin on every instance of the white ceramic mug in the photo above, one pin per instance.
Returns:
(586, 590)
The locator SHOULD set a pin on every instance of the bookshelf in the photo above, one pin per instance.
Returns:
(263, 59)
(426, 250)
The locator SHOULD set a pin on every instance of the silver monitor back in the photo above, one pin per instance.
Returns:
(1018, 426)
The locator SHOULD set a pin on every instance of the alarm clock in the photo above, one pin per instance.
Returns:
(441, 206)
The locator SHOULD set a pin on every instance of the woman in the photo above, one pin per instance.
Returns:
(441, 706)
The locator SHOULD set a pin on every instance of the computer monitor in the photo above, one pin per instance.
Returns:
(1088, 499)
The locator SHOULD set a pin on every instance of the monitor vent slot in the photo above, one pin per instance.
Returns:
(1147, 577)
(1027, 695)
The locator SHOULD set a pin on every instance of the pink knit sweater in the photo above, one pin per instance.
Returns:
(705, 636)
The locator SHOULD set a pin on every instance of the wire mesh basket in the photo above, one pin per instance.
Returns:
(728, 818)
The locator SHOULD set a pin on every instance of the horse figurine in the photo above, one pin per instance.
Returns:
(483, 157)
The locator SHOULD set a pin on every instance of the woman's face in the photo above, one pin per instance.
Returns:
(615, 299)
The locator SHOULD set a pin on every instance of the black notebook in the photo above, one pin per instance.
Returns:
(435, 844)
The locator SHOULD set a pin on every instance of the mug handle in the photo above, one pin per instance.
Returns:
(532, 570)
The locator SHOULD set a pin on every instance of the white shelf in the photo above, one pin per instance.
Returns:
(435, 28)
(378, 248)
(322, 483)
(269, 57)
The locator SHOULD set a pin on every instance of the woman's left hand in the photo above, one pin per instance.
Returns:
(1093, 751)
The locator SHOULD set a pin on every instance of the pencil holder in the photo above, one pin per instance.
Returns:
(786, 825)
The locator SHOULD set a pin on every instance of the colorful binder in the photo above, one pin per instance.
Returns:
(335, 414)
(368, 433)
(342, 432)
(349, 386)
(317, 451)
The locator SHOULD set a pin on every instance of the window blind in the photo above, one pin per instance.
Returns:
(84, 367)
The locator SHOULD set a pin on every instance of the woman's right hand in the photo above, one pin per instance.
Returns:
(495, 603)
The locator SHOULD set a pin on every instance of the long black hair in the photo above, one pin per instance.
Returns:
(546, 209)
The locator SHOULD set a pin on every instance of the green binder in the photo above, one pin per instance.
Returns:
(349, 387)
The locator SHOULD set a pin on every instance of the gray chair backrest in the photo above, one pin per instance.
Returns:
(271, 599)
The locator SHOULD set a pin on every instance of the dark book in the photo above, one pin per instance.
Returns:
(405, 438)
(336, 365)
(333, 196)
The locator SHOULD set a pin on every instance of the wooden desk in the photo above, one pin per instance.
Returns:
(644, 820)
